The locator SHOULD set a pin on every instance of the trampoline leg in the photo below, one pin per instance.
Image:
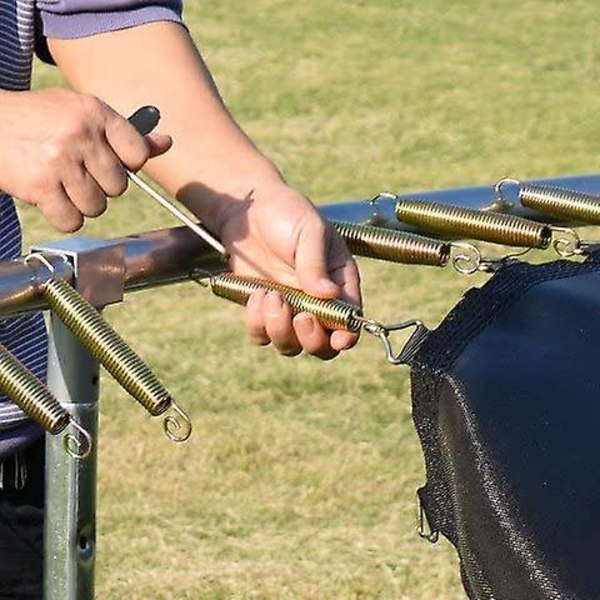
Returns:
(70, 517)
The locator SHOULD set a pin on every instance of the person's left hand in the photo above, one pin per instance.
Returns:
(276, 233)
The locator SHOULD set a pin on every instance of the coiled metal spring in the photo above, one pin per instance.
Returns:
(20, 385)
(554, 201)
(393, 245)
(85, 322)
(470, 223)
(332, 314)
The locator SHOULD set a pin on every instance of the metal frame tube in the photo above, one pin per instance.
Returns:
(70, 517)
(166, 256)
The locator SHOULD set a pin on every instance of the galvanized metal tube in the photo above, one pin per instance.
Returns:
(70, 518)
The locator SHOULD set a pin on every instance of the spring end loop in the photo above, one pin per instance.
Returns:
(43, 260)
(78, 445)
(501, 203)
(175, 430)
(567, 243)
(377, 218)
(383, 333)
(468, 259)
(201, 277)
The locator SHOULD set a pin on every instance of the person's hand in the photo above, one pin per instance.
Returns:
(276, 233)
(64, 152)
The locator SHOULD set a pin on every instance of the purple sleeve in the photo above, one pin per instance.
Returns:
(68, 19)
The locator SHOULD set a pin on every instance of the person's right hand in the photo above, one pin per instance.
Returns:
(65, 152)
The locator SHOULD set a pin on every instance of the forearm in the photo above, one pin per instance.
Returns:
(211, 159)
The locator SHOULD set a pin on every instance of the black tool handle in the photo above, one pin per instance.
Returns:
(145, 119)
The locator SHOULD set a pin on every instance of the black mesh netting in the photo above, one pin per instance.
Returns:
(506, 402)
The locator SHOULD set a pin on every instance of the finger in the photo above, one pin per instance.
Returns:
(347, 278)
(158, 143)
(311, 259)
(313, 337)
(107, 170)
(343, 340)
(84, 192)
(132, 149)
(278, 325)
(255, 323)
(60, 212)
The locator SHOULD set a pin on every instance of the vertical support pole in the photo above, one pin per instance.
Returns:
(70, 519)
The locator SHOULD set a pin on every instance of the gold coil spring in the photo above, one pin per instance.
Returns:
(392, 245)
(332, 314)
(470, 223)
(20, 385)
(107, 345)
(555, 201)
(129, 370)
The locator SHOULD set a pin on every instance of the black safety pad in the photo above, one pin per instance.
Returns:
(505, 401)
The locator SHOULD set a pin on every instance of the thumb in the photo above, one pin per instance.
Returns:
(311, 261)
(158, 143)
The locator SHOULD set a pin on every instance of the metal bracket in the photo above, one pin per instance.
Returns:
(99, 267)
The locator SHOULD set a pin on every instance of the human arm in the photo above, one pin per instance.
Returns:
(270, 229)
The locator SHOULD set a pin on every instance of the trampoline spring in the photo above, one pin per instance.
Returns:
(498, 228)
(393, 245)
(409, 248)
(20, 385)
(332, 314)
(554, 201)
(104, 343)
(493, 227)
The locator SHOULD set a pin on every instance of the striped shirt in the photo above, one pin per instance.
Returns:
(25, 336)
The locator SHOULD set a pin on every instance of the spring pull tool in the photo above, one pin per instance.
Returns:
(103, 342)
(19, 384)
(145, 119)
(333, 314)
(498, 228)
(551, 200)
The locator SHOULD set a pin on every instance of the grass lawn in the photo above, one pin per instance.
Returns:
(299, 481)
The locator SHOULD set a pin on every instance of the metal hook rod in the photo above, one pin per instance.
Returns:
(178, 214)
(144, 120)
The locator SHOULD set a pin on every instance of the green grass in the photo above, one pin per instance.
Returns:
(299, 481)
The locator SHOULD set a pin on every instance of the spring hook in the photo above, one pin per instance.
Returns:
(378, 330)
(424, 529)
(554, 201)
(498, 228)
(20, 385)
(103, 342)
